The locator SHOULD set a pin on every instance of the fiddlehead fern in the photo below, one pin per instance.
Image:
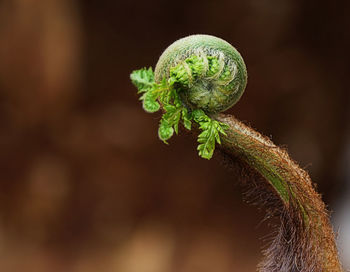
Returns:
(219, 82)
(195, 79)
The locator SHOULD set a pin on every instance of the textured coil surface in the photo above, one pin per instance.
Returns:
(211, 92)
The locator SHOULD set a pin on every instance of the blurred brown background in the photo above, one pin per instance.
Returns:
(85, 183)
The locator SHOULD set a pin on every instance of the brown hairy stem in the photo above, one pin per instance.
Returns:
(305, 239)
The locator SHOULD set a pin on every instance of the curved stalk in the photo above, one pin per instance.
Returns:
(305, 240)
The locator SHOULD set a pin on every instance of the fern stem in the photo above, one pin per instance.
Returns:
(305, 241)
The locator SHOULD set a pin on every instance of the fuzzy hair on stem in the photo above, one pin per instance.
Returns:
(305, 239)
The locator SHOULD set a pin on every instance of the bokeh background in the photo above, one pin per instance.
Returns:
(85, 184)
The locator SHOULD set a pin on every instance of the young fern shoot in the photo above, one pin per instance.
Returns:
(197, 78)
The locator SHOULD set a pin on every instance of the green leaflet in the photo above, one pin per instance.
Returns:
(165, 131)
(150, 103)
(175, 112)
(211, 130)
(143, 79)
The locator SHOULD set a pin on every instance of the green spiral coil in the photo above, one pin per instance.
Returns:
(221, 79)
